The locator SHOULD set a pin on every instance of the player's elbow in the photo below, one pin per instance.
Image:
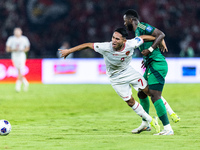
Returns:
(163, 35)
(159, 34)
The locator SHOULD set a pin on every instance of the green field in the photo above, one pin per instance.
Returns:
(90, 117)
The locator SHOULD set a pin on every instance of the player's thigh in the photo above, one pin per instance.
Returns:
(123, 90)
(139, 82)
(161, 67)
(157, 73)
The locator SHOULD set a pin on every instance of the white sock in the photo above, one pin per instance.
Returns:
(25, 82)
(18, 82)
(18, 85)
(168, 108)
(140, 111)
(168, 127)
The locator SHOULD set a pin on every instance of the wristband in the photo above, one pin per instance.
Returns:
(150, 49)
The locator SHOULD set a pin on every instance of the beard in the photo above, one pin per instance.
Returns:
(130, 27)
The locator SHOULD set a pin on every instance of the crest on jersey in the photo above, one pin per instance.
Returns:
(149, 29)
(127, 53)
(97, 46)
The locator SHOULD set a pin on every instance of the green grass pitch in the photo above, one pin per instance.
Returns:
(93, 117)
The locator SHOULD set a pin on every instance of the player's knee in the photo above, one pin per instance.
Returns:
(131, 102)
(141, 95)
(155, 97)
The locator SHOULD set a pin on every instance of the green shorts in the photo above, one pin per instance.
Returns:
(155, 75)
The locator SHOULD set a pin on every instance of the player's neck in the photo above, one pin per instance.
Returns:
(17, 36)
(135, 25)
(120, 48)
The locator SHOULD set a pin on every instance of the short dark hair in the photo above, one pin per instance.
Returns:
(122, 31)
(132, 13)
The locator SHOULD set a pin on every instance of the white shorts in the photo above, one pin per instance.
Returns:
(122, 83)
(19, 60)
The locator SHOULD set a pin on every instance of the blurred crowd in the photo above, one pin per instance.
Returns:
(49, 23)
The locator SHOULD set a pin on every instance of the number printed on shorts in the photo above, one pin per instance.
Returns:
(140, 80)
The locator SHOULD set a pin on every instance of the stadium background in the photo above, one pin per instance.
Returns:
(50, 23)
(47, 23)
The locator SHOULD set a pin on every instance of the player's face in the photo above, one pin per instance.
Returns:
(128, 23)
(117, 41)
(17, 32)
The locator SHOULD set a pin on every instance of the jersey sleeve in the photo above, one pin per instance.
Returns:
(101, 47)
(136, 42)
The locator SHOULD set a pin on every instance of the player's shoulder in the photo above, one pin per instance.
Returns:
(145, 27)
(11, 37)
(135, 42)
(142, 25)
(130, 43)
(102, 45)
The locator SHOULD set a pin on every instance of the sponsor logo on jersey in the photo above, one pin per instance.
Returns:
(115, 54)
(149, 29)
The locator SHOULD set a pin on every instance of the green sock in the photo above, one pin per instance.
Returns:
(145, 104)
(161, 111)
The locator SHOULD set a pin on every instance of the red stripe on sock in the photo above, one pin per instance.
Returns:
(137, 106)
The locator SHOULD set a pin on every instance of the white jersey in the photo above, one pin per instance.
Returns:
(18, 57)
(117, 61)
(18, 43)
(118, 67)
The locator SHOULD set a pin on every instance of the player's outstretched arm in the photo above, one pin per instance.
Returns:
(147, 37)
(64, 53)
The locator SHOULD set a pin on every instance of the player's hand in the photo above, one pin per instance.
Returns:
(163, 49)
(64, 53)
(15, 50)
(163, 46)
(145, 52)
(143, 65)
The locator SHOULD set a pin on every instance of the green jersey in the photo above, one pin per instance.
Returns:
(146, 29)
(156, 65)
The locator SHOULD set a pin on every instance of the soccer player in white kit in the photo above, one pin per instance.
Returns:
(18, 45)
(118, 55)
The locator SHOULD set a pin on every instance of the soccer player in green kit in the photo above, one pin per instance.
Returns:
(156, 71)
